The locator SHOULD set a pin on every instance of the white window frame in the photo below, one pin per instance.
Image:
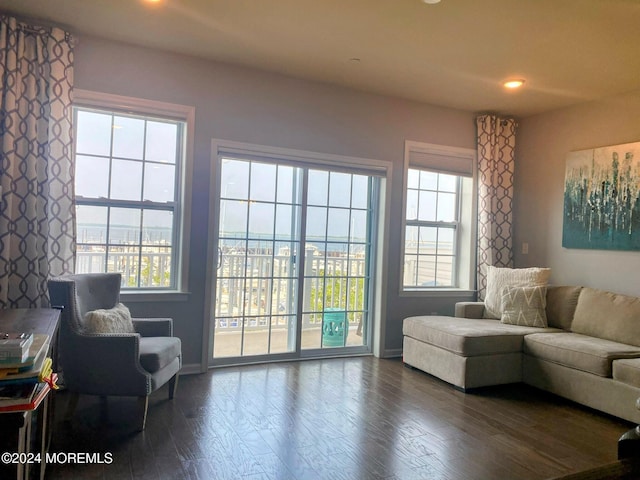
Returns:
(452, 161)
(170, 111)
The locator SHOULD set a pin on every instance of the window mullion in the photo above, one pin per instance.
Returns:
(425, 223)
(108, 226)
(142, 193)
(105, 202)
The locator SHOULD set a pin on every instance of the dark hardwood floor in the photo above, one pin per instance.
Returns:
(356, 418)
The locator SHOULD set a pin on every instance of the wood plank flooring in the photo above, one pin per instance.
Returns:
(353, 418)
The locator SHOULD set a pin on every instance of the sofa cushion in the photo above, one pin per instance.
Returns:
(582, 352)
(158, 352)
(524, 306)
(498, 278)
(468, 337)
(608, 315)
(561, 305)
(627, 371)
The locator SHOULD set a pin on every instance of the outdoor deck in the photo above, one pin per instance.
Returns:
(227, 343)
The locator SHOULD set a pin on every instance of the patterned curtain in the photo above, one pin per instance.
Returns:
(496, 145)
(37, 214)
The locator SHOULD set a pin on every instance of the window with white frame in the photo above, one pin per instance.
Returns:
(129, 168)
(438, 213)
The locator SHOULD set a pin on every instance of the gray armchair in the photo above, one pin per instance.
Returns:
(120, 364)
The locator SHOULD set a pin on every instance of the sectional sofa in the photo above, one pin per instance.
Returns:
(589, 352)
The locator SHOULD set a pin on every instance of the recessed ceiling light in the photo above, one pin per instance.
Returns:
(430, 2)
(514, 83)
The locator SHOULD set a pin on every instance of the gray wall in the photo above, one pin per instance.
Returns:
(542, 145)
(246, 105)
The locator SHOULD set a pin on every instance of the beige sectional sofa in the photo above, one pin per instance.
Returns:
(589, 353)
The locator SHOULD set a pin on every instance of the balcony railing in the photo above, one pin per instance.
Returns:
(154, 267)
(261, 289)
(257, 289)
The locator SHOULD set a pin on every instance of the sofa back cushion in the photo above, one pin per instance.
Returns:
(561, 305)
(608, 315)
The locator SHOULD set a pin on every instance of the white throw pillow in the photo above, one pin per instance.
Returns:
(525, 306)
(112, 320)
(498, 278)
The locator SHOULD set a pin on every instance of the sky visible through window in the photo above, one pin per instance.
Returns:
(270, 195)
(125, 186)
(430, 233)
(135, 163)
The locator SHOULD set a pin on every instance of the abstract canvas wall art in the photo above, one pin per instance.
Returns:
(602, 198)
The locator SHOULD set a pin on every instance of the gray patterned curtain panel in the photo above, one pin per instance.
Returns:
(496, 146)
(37, 214)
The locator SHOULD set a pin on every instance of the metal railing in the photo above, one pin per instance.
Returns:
(259, 289)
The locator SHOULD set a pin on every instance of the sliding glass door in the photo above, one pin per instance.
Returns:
(293, 262)
(257, 273)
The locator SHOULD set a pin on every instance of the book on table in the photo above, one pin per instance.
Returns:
(14, 347)
(16, 393)
(39, 341)
(30, 370)
(23, 385)
(32, 399)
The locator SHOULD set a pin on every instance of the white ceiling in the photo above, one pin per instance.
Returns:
(454, 54)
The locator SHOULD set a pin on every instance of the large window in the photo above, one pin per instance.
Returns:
(128, 187)
(438, 226)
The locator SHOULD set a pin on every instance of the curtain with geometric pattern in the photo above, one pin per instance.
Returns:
(496, 147)
(37, 213)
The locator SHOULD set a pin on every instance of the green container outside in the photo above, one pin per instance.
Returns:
(335, 327)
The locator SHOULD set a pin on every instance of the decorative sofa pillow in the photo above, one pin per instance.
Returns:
(112, 320)
(524, 306)
(498, 278)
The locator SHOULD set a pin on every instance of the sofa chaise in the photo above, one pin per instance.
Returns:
(589, 352)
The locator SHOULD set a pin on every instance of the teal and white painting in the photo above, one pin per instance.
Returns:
(602, 198)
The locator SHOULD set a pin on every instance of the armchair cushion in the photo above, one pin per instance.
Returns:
(158, 352)
(112, 320)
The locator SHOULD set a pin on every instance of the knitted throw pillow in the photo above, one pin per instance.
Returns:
(112, 320)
